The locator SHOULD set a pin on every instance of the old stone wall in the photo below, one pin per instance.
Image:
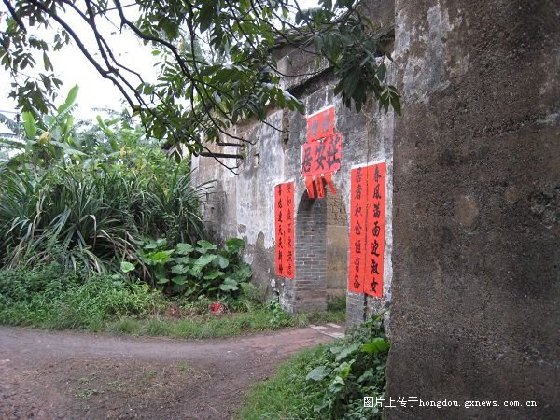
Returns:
(243, 204)
(337, 246)
(475, 308)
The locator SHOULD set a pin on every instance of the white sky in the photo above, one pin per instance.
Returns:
(73, 68)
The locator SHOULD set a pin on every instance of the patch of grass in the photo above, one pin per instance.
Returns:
(211, 326)
(326, 382)
(183, 367)
(50, 297)
(336, 303)
(286, 395)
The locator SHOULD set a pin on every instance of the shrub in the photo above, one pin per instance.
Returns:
(81, 198)
(327, 382)
(48, 296)
(194, 271)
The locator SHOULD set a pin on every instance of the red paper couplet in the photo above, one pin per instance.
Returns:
(321, 157)
(358, 210)
(367, 230)
(284, 229)
(375, 253)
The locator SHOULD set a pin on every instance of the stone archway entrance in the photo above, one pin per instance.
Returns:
(321, 249)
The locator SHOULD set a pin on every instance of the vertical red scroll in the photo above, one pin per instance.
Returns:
(284, 229)
(375, 255)
(367, 230)
(358, 213)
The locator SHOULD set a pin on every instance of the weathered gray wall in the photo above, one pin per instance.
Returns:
(243, 205)
(337, 246)
(476, 293)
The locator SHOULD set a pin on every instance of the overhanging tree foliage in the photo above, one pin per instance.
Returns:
(216, 57)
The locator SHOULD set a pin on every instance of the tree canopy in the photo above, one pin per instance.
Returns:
(216, 61)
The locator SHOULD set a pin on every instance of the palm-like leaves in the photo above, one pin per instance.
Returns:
(89, 218)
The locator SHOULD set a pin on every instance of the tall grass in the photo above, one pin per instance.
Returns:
(90, 218)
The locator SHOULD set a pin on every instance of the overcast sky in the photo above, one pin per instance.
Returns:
(73, 68)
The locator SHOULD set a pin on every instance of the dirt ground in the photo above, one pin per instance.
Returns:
(71, 375)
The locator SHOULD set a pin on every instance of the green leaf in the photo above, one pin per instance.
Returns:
(336, 385)
(345, 368)
(199, 264)
(126, 267)
(183, 260)
(377, 345)
(366, 376)
(206, 15)
(347, 351)
(234, 245)
(183, 249)
(229, 284)
(243, 273)
(318, 374)
(29, 124)
(47, 62)
(204, 246)
(162, 280)
(180, 269)
(213, 275)
(70, 99)
(223, 262)
(159, 257)
(179, 280)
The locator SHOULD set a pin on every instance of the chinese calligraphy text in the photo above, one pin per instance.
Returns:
(284, 229)
(367, 230)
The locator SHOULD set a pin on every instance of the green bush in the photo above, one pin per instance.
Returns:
(328, 382)
(195, 271)
(24, 284)
(81, 198)
(104, 298)
(50, 297)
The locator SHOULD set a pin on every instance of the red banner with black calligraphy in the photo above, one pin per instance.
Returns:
(358, 213)
(284, 229)
(375, 255)
(367, 230)
(321, 156)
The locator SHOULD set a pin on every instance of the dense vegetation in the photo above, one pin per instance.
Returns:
(327, 382)
(50, 296)
(86, 199)
(100, 229)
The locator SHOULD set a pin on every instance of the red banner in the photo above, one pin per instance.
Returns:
(320, 125)
(375, 256)
(358, 213)
(284, 229)
(321, 157)
(367, 230)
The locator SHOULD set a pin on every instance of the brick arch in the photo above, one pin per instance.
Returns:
(310, 283)
(320, 238)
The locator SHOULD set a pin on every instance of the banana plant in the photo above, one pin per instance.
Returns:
(48, 139)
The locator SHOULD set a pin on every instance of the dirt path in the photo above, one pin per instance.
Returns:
(69, 375)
